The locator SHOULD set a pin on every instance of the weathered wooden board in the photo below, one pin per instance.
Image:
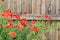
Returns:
(53, 6)
(35, 6)
(19, 3)
(38, 6)
(48, 6)
(57, 7)
(43, 6)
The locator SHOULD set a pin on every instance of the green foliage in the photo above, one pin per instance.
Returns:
(43, 28)
(26, 33)
(2, 9)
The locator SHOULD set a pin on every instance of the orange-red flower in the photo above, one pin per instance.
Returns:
(7, 15)
(10, 14)
(9, 20)
(23, 22)
(35, 29)
(20, 27)
(33, 22)
(4, 15)
(12, 34)
(48, 17)
(2, 0)
(37, 16)
(11, 24)
(24, 19)
(7, 26)
(25, 12)
(17, 16)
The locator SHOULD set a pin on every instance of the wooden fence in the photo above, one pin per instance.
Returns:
(33, 6)
(37, 7)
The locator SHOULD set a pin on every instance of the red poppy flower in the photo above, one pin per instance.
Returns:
(50, 18)
(10, 14)
(12, 34)
(20, 27)
(46, 16)
(4, 15)
(25, 12)
(33, 22)
(37, 16)
(11, 24)
(23, 22)
(2, 0)
(9, 20)
(18, 16)
(7, 26)
(35, 29)
(7, 15)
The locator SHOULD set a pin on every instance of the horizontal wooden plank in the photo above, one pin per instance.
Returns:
(33, 17)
